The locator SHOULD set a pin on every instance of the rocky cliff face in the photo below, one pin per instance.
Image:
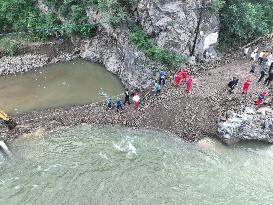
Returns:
(113, 50)
(173, 24)
(249, 125)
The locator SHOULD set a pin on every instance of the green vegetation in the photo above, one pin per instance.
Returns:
(163, 56)
(23, 15)
(244, 20)
(241, 22)
(10, 44)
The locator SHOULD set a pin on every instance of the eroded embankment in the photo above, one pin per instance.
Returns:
(190, 116)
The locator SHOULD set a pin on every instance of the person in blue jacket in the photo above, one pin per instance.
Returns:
(162, 77)
(109, 102)
(118, 104)
(157, 88)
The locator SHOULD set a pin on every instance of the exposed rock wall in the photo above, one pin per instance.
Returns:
(113, 50)
(173, 24)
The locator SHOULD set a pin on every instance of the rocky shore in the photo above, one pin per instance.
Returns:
(190, 116)
(203, 112)
(38, 55)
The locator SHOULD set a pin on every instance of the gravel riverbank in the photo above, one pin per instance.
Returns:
(190, 116)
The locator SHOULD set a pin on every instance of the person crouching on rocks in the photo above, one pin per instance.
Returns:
(127, 97)
(109, 102)
(118, 104)
(232, 84)
(136, 100)
(260, 101)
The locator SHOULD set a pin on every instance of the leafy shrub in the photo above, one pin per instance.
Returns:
(10, 45)
(242, 21)
(162, 56)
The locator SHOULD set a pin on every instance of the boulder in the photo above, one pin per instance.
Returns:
(250, 124)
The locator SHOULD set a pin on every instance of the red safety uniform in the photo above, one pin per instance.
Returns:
(246, 86)
(189, 83)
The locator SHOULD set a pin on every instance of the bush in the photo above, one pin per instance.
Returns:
(242, 21)
(162, 56)
(12, 43)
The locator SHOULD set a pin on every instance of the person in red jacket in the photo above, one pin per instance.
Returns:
(178, 79)
(260, 101)
(185, 74)
(189, 83)
(246, 86)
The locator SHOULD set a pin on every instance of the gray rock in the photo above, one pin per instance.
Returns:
(121, 58)
(173, 23)
(249, 125)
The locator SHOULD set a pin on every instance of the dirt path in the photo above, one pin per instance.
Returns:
(190, 116)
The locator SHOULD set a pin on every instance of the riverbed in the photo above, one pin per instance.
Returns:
(113, 165)
(63, 84)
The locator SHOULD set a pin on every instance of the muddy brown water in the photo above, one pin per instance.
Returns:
(72, 83)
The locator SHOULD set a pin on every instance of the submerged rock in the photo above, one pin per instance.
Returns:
(249, 125)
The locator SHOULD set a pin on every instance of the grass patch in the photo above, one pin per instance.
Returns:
(11, 43)
(165, 57)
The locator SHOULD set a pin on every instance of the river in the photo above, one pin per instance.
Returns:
(112, 165)
(71, 83)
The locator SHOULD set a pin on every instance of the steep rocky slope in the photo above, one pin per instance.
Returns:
(173, 24)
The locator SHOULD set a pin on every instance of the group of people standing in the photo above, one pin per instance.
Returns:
(263, 61)
(119, 104)
(182, 75)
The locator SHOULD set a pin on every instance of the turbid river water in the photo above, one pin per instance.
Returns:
(77, 82)
(85, 165)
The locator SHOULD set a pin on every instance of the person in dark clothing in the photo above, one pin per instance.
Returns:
(262, 74)
(263, 69)
(118, 104)
(127, 97)
(270, 77)
(270, 68)
(162, 77)
(232, 84)
(253, 67)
